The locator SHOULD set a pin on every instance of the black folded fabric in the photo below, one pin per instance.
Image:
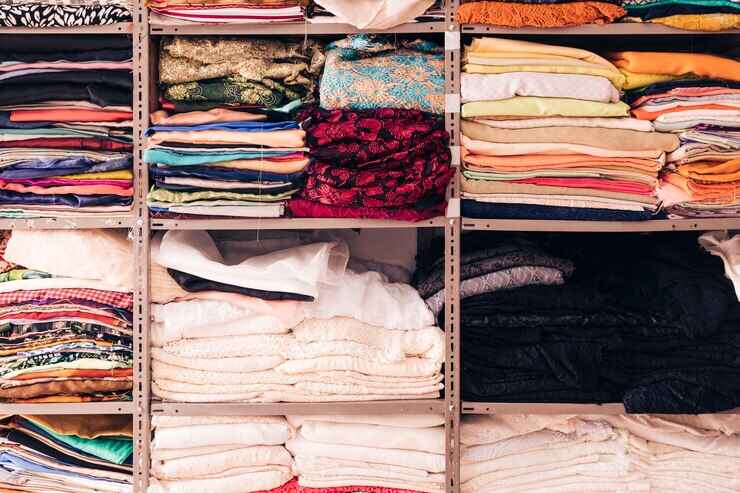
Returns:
(651, 324)
(485, 210)
(194, 284)
(121, 79)
(35, 45)
(100, 94)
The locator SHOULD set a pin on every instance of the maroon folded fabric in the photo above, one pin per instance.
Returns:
(87, 144)
(307, 208)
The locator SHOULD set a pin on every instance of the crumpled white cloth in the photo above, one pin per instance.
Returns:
(296, 269)
(376, 14)
(90, 254)
(728, 249)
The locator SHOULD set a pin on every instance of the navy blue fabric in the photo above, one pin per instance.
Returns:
(41, 168)
(8, 197)
(482, 210)
(224, 174)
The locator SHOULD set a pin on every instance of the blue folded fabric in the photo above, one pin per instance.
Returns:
(225, 174)
(195, 158)
(8, 197)
(238, 126)
(42, 168)
(482, 210)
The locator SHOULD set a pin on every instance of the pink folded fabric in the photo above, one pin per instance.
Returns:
(69, 66)
(76, 190)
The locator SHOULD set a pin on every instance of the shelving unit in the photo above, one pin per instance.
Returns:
(144, 32)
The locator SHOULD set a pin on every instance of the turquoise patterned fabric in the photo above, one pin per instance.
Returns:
(368, 71)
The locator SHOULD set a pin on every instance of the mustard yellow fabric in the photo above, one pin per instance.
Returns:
(123, 174)
(634, 80)
(701, 22)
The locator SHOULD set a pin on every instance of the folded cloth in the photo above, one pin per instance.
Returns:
(42, 14)
(376, 14)
(542, 107)
(483, 87)
(700, 22)
(367, 71)
(677, 64)
(528, 14)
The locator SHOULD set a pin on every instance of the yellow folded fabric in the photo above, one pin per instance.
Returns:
(615, 76)
(634, 80)
(700, 22)
(488, 45)
(123, 174)
(534, 106)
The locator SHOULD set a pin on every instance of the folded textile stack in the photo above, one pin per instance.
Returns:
(225, 454)
(378, 145)
(545, 136)
(66, 454)
(284, 320)
(236, 11)
(697, 97)
(655, 329)
(67, 13)
(375, 14)
(695, 15)
(373, 454)
(513, 453)
(65, 123)
(66, 302)
(539, 13)
(381, 164)
(209, 158)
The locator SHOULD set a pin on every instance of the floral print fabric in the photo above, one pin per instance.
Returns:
(370, 72)
(377, 158)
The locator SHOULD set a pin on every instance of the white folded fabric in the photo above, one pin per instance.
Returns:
(222, 434)
(399, 420)
(488, 87)
(434, 463)
(220, 462)
(242, 480)
(388, 437)
(376, 14)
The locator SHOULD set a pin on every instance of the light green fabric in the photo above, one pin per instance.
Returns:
(535, 106)
(162, 195)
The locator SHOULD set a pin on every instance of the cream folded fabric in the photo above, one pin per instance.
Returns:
(240, 480)
(220, 462)
(377, 436)
(482, 46)
(245, 434)
(426, 461)
(616, 78)
(607, 138)
(482, 87)
(554, 121)
(399, 420)
(538, 107)
(376, 14)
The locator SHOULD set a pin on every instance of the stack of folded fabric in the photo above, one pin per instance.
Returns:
(545, 136)
(67, 13)
(65, 304)
(539, 13)
(701, 15)
(236, 11)
(284, 320)
(378, 145)
(225, 454)
(653, 328)
(65, 123)
(513, 453)
(208, 158)
(373, 454)
(697, 97)
(66, 454)
(375, 14)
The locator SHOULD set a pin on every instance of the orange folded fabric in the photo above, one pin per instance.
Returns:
(70, 116)
(666, 63)
(652, 115)
(545, 161)
(512, 14)
(723, 172)
(724, 193)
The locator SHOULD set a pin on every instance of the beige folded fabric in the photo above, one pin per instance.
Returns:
(548, 148)
(488, 187)
(607, 138)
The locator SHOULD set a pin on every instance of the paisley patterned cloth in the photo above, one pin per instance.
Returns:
(367, 71)
(239, 71)
(376, 158)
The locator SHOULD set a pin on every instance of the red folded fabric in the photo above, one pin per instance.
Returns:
(70, 116)
(307, 208)
(87, 144)
(609, 185)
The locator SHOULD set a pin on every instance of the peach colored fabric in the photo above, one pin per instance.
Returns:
(535, 162)
(216, 115)
(278, 138)
(69, 116)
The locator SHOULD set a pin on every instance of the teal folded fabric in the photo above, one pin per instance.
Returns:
(175, 158)
(111, 449)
